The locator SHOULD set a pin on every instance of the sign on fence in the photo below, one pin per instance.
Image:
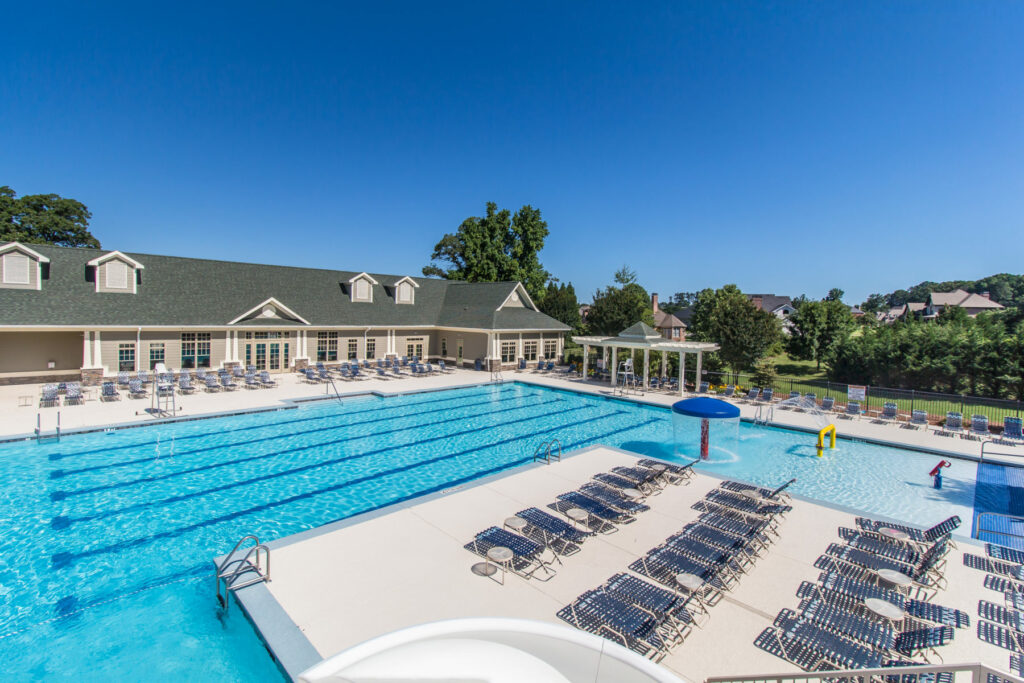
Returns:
(856, 393)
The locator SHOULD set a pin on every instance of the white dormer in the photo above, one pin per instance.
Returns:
(271, 309)
(21, 267)
(116, 272)
(405, 291)
(518, 298)
(361, 288)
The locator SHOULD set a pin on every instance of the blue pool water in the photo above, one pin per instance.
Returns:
(106, 538)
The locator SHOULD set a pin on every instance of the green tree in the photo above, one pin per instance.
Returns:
(678, 302)
(44, 219)
(834, 294)
(498, 247)
(561, 304)
(816, 327)
(743, 332)
(875, 303)
(617, 307)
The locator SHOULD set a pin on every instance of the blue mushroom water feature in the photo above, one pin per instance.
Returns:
(704, 410)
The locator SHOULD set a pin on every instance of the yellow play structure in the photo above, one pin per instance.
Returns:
(830, 430)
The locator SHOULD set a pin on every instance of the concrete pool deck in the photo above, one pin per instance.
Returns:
(19, 421)
(342, 584)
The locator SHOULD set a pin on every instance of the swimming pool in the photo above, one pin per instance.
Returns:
(106, 538)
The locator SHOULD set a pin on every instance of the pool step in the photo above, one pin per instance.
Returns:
(238, 570)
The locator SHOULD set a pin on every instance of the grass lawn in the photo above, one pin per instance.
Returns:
(798, 369)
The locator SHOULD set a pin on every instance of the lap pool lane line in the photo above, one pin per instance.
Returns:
(69, 605)
(62, 522)
(63, 560)
(61, 494)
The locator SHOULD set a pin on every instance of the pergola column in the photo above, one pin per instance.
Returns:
(586, 348)
(97, 352)
(682, 371)
(647, 365)
(86, 350)
(615, 365)
(664, 364)
(696, 382)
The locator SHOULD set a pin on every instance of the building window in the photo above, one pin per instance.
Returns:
(550, 349)
(414, 347)
(444, 347)
(326, 346)
(287, 356)
(125, 357)
(508, 352)
(362, 290)
(156, 354)
(195, 349)
(16, 269)
(371, 349)
(530, 350)
(353, 349)
(117, 275)
(404, 293)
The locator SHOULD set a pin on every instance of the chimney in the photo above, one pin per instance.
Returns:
(654, 302)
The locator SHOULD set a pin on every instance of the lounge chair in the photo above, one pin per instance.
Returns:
(311, 376)
(921, 574)
(135, 389)
(753, 394)
(730, 391)
(227, 383)
(639, 475)
(954, 424)
(979, 426)
(251, 382)
(889, 412)
(212, 384)
(250, 368)
(265, 379)
(812, 397)
(793, 394)
(918, 419)
(715, 556)
(239, 373)
(778, 493)
(651, 598)
(122, 379)
(930, 535)
(702, 388)
(620, 482)
(185, 384)
(594, 508)
(767, 394)
(612, 498)
(558, 535)
(854, 625)
(674, 474)
(827, 404)
(109, 392)
(852, 410)
(73, 394)
(855, 589)
(833, 648)
(145, 377)
(726, 498)
(922, 642)
(863, 540)
(1013, 429)
(522, 365)
(611, 617)
(663, 564)
(444, 368)
(526, 553)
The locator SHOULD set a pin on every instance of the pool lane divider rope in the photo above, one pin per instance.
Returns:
(65, 559)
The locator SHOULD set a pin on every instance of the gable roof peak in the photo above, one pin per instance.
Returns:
(18, 246)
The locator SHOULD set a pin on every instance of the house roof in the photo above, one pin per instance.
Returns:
(772, 302)
(663, 320)
(959, 297)
(177, 291)
(640, 330)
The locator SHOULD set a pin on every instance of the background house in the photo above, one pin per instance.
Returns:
(668, 325)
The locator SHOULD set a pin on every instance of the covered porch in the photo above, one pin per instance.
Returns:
(646, 338)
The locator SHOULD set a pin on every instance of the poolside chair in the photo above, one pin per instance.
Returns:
(122, 379)
(827, 403)
(610, 479)
(109, 392)
(917, 535)
(73, 394)
(1013, 429)
(753, 394)
(918, 419)
(922, 642)
(382, 374)
(266, 380)
(778, 493)
(200, 375)
(611, 617)
(311, 376)
(725, 560)
(812, 397)
(135, 389)
(854, 625)
(238, 372)
(444, 368)
(730, 391)
(599, 512)
(251, 382)
(612, 498)
(833, 648)
(639, 475)
(741, 503)
(793, 394)
(673, 474)
(889, 412)
(862, 540)
(852, 410)
(663, 564)
(954, 424)
(526, 553)
(979, 427)
(185, 384)
(550, 366)
(212, 384)
(522, 365)
(664, 604)
(767, 394)
(227, 383)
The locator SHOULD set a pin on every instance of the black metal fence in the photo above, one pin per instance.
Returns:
(907, 400)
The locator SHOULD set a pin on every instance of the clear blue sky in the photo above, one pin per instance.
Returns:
(786, 147)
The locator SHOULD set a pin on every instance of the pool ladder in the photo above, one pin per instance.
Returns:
(236, 570)
(764, 414)
(39, 428)
(544, 451)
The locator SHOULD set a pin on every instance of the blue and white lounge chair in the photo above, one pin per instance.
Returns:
(827, 404)
(73, 394)
(212, 384)
(522, 365)
(122, 379)
(185, 384)
(265, 379)
(612, 498)
(753, 394)
(559, 536)
(311, 376)
(1012, 429)
(238, 372)
(793, 394)
(918, 419)
(918, 535)
(110, 392)
(227, 383)
(145, 377)
(135, 389)
(954, 424)
(602, 512)
(889, 412)
(444, 368)
(527, 554)
(979, 426)
(251, 382)
(852, 409)
(609, 616)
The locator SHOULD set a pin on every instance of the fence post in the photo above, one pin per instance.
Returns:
(963, 404)
(911, 402)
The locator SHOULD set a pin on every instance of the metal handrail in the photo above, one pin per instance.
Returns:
(979, 673)
(230, 569)
(986, 442)
(545, 447)
(980, 515)
(227, 558)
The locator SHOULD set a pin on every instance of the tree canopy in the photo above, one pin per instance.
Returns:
(561, 304)
(744, 333)
(44, 219)
(618, 306)
(816, 327)
(500, 246)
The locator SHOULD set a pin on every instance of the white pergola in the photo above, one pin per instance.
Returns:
(643, 336)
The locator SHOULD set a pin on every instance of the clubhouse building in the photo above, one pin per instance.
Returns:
(69, 313)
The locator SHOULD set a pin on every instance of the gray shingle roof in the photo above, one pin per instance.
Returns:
(195, 292)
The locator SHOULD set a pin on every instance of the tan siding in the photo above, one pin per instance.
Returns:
(474, 345)
(109, 343)
(101, 278)
(30, 351)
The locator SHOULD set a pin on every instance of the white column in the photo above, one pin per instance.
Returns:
(519, 347)
(615, 365)
(234, 346)
(86, 350)
(585, 350)
(664, 364)
(696, 383)
(647, 366)
(682, 371)
(97, 354)
(227, 348)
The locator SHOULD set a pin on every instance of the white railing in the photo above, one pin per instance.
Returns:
(961, 673)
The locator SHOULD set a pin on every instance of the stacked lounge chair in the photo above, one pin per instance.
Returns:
(109, 392)
(73, 394)
(266, 380)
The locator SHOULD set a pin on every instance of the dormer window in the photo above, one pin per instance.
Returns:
(21, 267)
(405, 291)
(116, 272)
(361, 288)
